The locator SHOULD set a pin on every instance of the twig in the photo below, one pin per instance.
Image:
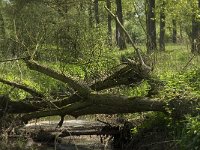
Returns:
(23, 87)
(188, 62)
(106, 123)
(15, 59)
(65, 129)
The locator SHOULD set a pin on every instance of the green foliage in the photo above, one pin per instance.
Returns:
(183, 84)
(153, 121)
(190, 138)
(194, 79)
(185, 133)
(136, 90)
(136, 33)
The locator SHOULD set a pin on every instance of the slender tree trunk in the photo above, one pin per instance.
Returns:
(96, 11)
(195, 35)
(108, 4)
(2, 27)
(151, 26)
(90, 12)
(181, 32)
(162, 28)
(2, 34)
(174, 31)
(120, 37)
(198, 39)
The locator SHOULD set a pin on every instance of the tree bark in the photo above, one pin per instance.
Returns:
(162, 27)
(174, 31)
(109, 18)
(181, 32)
(151, 26)
(2, 33)
(2, 26)
(120, 38)
(90, 14)
(195, 35)
(96, 11)
(103, 104)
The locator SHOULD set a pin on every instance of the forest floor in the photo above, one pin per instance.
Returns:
(177, 67)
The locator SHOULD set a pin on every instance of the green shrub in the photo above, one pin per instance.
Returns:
(190, 138)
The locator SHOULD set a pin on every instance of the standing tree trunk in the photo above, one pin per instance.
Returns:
(2, 34)
(2, 29)
(120, 37)
(151, 26)
(90, 14)
(108, 4)
(162, 27)
(181, 32)
(174, 31)
(96, 11)
(195, 35)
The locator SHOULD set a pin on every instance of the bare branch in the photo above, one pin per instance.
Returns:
(130, 74)
(14, 59)
(82, 88)
(14, 107)
(141, 61)
(22, 87)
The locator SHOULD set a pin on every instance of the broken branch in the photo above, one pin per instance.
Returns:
(22, 87)
(141, 61)
(78, 86)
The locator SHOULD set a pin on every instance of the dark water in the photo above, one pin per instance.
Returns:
(84, 142)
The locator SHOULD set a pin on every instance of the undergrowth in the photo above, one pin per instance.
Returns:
(177, 68)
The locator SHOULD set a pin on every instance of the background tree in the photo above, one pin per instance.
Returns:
(195, 34)
(162, 26)
(2, 26)
(96, 10)
(2, 29)
(174, 30)
(151, 26)
(90, 14)
(108, 4)
(120, 38)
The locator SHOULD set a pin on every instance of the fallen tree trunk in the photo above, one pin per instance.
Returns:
(102, 104)
(105, 104)
(87, 102)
